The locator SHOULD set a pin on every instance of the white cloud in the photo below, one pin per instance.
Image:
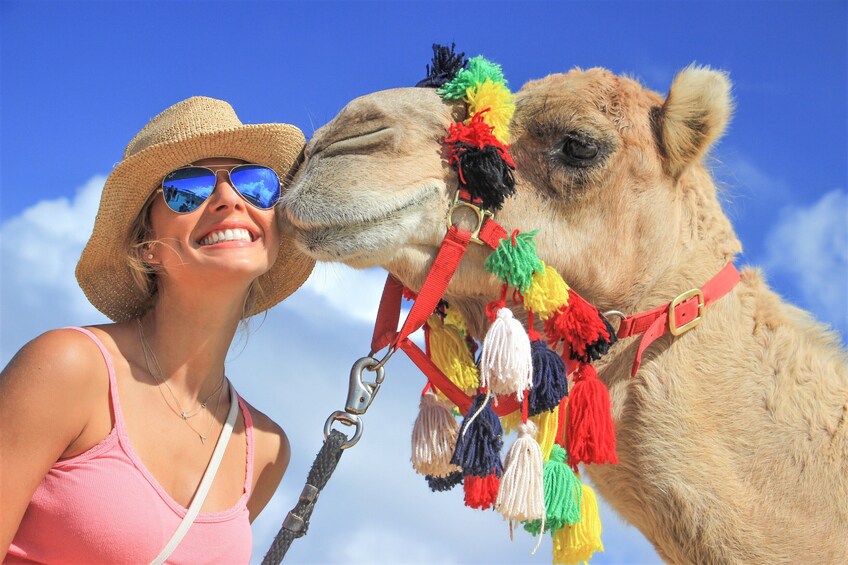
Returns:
(811, 245)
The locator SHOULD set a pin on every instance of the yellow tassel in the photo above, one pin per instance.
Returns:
(510, 422)
(547, 292)
(546, 423)
(450, 354)
(455, 319)
(577, 543)
(498, 99)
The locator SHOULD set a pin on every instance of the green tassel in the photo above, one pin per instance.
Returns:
(479, 69)
(563, 494)
(515, 265)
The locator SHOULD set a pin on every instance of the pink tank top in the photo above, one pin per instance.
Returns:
(104, 506)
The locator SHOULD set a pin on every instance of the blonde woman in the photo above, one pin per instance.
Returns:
(107, 430)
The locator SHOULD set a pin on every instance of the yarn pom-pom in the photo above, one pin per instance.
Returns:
(450, 353)
(586, 332)
(495, 100)
(478, 70)
(550, 383)
(442, 484)
(563, 495)
(481, 492)
(434, 437)
(515, 260)
(577, 543)
(484, 172)
(547, 292)
(478, 446)
(444, 66)
(522, 496)
(505, 363)
(591, 432)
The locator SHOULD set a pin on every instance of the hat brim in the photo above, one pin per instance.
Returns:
(103, 272)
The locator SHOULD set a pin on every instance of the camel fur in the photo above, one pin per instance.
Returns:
(733, 437)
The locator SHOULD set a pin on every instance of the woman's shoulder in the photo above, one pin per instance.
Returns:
(272, 453)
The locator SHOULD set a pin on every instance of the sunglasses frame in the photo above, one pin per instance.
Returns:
(229, 169)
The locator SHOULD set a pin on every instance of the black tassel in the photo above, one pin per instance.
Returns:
(550, 384)
(487, 176)
(478, 446)
(446, 63)
(598, 349)
(442, 484)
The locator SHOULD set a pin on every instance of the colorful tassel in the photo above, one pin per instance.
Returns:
(587, 334)
(577, 543)
(480, 440)
(548, 425)
(591, 431)
(454, 318)
(563, 495)
(446, 63)
(515, 260)
(449, 351)
(434, 437)
(495, 100)
(550, 383)
(547, 292)
(522, 495)
(479, 70)
(481, 492)
(442, 484)
(505, 363)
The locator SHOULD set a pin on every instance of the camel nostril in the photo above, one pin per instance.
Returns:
(362, 143)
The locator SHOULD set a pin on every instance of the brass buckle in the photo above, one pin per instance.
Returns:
(481, 213)
(672, 319)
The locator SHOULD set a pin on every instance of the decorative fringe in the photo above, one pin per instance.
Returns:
(480, 440)
(449, 351)
(434, 437)
(563, 495)
(445, 64)
(577, 543)
(591, 431)
(550, 383)
(481, 492)
(522, 496)
(505, 363)
(548, 424)
(547, 292)
(495, 100)
(515, 260)
(479, 69)
(587, 334)
(442, 484)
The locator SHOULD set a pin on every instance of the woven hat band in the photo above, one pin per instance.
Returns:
(192, 117)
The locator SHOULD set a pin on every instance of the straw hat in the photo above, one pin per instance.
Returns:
(188, 131)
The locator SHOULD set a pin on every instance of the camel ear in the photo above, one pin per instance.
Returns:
(694, 116)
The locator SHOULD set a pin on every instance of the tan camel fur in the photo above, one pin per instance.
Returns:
(733, 438)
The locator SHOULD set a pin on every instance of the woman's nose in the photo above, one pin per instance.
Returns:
(225, 195)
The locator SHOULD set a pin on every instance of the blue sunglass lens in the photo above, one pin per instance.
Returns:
(257, 184)
(186, 189)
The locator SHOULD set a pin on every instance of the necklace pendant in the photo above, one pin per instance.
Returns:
(184, 415)
(203, 439)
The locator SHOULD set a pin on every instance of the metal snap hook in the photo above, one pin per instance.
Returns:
(347, 420)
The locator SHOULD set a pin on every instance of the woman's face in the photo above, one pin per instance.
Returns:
(186, 244)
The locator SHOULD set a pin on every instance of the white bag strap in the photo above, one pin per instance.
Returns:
(205, 482)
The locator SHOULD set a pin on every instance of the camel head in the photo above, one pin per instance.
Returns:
(609, 172)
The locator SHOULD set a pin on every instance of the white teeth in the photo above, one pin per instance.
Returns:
(236, 234)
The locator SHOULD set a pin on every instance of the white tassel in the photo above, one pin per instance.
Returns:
(522, 495)
(505, 363)
(434, 437)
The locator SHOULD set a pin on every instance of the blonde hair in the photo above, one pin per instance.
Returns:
(145, 274)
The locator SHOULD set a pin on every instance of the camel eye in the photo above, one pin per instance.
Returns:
(579, 152)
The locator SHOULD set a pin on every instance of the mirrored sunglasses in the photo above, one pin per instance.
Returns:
(186, 188)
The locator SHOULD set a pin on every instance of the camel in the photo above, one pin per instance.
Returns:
(733, 437)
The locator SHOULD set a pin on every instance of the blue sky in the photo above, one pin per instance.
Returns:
(79, 79)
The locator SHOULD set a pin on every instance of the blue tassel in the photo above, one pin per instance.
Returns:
(478, 446)
(550, 384)
(442, 484)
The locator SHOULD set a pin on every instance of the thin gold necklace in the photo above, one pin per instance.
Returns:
(181, 413)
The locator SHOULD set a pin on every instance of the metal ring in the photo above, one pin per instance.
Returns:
(347, 420)
(381, 362)
(616, 313)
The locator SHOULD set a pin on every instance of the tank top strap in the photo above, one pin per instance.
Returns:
(248, 435)
(113, 382)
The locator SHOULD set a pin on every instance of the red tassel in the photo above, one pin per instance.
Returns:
(408, 294)
(581, 326)
(477, 133)
(481, 492)
(591, 432)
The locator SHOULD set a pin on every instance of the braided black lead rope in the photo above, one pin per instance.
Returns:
(297, 520)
